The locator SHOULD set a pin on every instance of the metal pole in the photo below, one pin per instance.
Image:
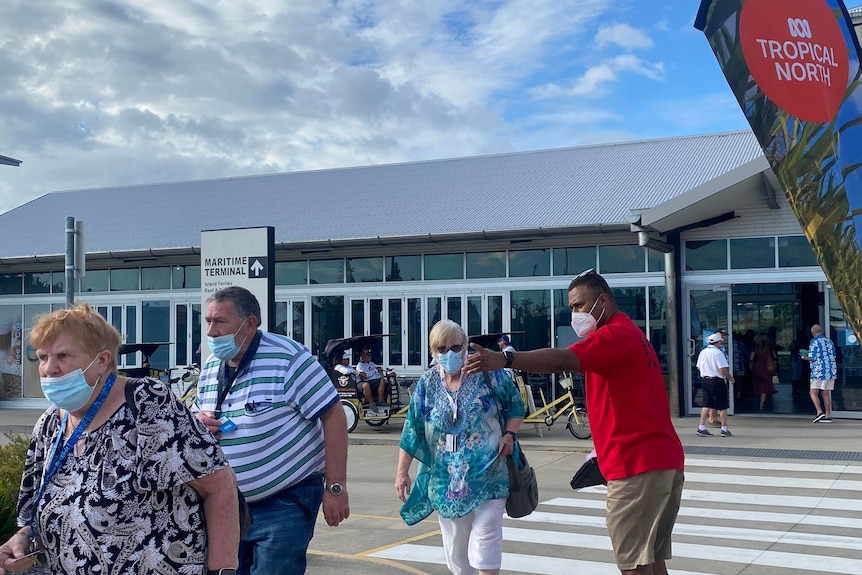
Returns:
(70, 261)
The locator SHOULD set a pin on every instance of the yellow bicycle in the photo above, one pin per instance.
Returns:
(578, 423)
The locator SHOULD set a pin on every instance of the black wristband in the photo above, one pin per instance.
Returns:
(512, 433)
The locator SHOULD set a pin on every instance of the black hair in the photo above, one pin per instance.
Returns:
(595, 283)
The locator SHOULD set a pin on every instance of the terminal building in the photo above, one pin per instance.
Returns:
(692, 233)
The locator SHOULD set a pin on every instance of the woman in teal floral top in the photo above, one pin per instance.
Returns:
(454, 428)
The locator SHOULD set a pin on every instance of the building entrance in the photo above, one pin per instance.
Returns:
(775, 317)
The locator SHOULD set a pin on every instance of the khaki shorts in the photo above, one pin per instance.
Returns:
(641, 512)
(824, 384)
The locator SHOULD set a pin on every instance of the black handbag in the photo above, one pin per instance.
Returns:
(588, 475)
(523, 488)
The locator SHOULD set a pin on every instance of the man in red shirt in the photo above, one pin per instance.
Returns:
(638, 449)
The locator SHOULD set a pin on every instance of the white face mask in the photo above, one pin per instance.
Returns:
(584, 323)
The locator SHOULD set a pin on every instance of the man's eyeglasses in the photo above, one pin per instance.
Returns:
(456, 348)
(585, 273)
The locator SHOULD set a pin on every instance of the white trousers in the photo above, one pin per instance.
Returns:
(474, 541)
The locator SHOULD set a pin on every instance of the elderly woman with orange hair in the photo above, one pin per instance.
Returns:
(120, 477)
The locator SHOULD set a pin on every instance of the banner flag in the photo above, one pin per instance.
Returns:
(793, 66)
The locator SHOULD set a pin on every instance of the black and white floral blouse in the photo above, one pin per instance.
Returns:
(123, 504)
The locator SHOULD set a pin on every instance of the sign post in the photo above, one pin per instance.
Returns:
(243, 257)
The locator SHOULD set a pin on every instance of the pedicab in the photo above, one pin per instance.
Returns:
(355, 406)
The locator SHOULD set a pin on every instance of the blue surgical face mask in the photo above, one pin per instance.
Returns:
(451, 361)
(225, 347)
(70, 391)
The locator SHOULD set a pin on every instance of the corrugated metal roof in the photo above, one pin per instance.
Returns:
(579, 186)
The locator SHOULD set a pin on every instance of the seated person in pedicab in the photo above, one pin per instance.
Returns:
(344, 368)
(371, 380)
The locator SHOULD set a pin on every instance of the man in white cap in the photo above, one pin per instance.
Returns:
(714, 374)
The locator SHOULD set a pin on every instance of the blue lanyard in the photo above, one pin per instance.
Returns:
(57, 461)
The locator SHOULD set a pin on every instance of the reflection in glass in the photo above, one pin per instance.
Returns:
(11, 284)
(403, 268)
(155, 278)
(495, 314)
(708, 314)
(327, 322)
(414, 331)
(58, 282)
(291, 273)
(156, 327)
(364, 270)
(795, 251)
(621, 259)
(655, 261)
(529, 263)
(29, 364)
(474, 315)
(95, 281)
(531, 314)
(486, 265)
(298, 334)
(750, 253)
(569, 262)
(357, 318)
(453, 309)
(181, 346)
(37, 282)
(444, 267)
(706, 255)
(280, 318)
(395, 343)
(658, 323)
(125, 279)
(326, 272)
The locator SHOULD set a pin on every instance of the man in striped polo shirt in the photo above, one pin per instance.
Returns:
(280, 423)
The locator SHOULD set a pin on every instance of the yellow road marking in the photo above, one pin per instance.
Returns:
(387, 562)
(402, 542)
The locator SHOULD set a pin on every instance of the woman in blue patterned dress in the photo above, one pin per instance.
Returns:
(460, 428)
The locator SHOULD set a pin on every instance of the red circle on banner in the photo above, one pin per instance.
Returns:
(796, 53)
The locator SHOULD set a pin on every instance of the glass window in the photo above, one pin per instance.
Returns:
(655, 261)
(29, 364)
(453, 309)
(632, 302)
(156, 278)
(403, 268)
(396, 348)
(486, 265)
(299, 322)
(156, 327)
(37, 282)
(125, 279)
(414, 331)
(621, 259)
(58, 282)
(795, 251)
(364, 270)
(529, 263)
(11, 284)
(186, 277)
(181, 349)
(706, 255)
(658, 323)
(570, 262)
(326, 272)
(291, 273)
(747, 253)
(444, 267)
(96, 280)
(495, 313)
(11, 350)
(327, 322)
(531, 316)
(564, 335)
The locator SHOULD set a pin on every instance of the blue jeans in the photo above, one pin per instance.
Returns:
(283, 525)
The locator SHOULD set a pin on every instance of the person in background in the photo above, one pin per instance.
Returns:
(104, 488)
(505, 344)
(280, 422)
(344, 368)
(462, 427)
(714, 374)
(638, 450)
(758, 361)
(824, 368)
(371, 381)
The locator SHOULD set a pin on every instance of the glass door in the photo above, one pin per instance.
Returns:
(290, 320)
(707, 313)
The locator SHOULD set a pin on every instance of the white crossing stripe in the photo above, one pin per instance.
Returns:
(793, 516)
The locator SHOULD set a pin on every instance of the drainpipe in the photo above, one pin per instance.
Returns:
(670, 285)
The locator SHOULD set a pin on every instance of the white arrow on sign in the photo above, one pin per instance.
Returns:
(256, 267)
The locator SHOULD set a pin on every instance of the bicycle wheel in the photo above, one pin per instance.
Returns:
(579, 425)
(351, 414)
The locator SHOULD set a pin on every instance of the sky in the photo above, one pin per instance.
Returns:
(100, 93)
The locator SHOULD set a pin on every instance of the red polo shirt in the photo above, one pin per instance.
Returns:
(627, 402)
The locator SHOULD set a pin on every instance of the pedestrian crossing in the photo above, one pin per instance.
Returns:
(736, 516)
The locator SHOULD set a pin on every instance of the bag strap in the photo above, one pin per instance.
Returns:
(130, 396)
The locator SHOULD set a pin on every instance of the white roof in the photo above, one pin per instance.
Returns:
(585, 186)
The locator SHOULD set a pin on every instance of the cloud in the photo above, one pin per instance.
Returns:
(624, 36)
(593, 80)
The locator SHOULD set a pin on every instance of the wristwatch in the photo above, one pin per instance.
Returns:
(335, 489)
(512, 433)
(222, 571)
(510, 357)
